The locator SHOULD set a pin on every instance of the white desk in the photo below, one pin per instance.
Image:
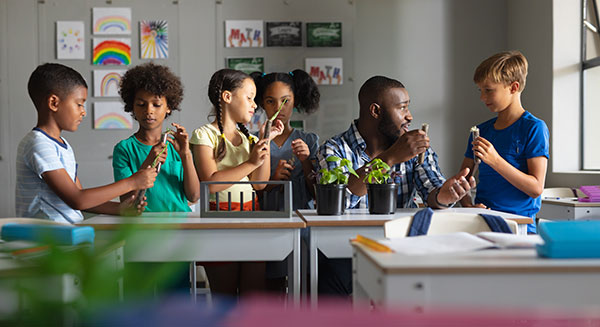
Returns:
(330, 234)
(568, 209)
(177, 237)
(492, 279)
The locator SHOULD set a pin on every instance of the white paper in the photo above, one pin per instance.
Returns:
(244, 34)
(70, 40)
(505, 240)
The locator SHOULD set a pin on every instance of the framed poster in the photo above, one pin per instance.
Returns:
(111, 21)
(323, 34)
(284, 34)
(154, 41)
(246, 64)
(244, 34)
(325, 71)
(70, 40)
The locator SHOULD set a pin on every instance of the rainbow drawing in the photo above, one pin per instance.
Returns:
(154, 39)
(110, 115)
(114, 21)
(106, 82)
(111, 51)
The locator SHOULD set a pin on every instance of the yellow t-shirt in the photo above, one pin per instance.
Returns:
(209, 135)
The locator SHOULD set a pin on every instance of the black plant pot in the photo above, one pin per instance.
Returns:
(382, 198)
(331, 199)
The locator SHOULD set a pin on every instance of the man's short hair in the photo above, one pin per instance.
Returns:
(50, 79)
(373, 89)
(504, 67)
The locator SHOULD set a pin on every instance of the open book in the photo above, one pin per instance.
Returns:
(459, 242)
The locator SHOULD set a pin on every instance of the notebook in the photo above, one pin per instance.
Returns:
(54, 234)
(570, 239)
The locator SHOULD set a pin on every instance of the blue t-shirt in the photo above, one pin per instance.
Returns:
(301, 197)
(526, 138)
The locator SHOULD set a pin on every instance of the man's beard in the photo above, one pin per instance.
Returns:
(387, 128)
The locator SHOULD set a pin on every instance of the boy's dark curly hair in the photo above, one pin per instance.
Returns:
(152, 78)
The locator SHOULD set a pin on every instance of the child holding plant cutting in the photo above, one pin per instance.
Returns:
(151, 92)
(225, 151)
(292, 152)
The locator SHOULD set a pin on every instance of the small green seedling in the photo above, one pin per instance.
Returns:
(378, 172)
(337, 175)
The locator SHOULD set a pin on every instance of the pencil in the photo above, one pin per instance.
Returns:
(372, 244)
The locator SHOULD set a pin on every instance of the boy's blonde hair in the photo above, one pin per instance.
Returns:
(504, 67)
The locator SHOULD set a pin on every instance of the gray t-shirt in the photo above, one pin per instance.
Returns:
(301, 196)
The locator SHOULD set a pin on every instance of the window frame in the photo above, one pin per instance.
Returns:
(585, 65)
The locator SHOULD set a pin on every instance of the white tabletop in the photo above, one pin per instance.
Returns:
(361, 217)
(485, 261)
(569, 202)
(188, 220)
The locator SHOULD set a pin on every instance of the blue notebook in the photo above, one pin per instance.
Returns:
(55, 234)
(570, 239)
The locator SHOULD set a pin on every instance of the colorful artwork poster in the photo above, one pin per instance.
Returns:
(323, 34)
(111, 21)
(106, 82)
(154, 43)
(326, 71)
(258, 119)
(111, 115)
(297, 124)
(70, 40)
(284, 34)
(247, 65)
(244, 34)
(111, 51)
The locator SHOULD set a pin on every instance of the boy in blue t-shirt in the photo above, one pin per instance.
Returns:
(513, 147)
(47, 183)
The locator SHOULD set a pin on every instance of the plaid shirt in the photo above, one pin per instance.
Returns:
(410, 176)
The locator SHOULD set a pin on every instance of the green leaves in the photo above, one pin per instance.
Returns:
(378, 172)
(337, 175)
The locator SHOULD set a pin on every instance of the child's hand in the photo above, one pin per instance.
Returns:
(300, 149)
(283, 171)
(276, 129)
(455, 188)
(144, 178)
(259, 153)
(485, 150)
(180, 140)
(154, 152)
(128, 207)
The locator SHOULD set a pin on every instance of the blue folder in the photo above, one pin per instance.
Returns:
(54, 234)
(570, 239)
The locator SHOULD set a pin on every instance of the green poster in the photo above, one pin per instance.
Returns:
(323, 34)
(247, 64)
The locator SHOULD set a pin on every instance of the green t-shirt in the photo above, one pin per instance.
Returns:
(168, 194)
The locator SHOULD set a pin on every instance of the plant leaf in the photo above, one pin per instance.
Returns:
(333, 159)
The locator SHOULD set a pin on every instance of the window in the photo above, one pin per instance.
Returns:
(590, 81)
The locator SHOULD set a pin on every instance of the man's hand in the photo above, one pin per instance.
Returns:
(455, 188)
(409, 145)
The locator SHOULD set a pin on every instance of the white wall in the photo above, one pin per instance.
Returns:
(548, 33)
(433, 47)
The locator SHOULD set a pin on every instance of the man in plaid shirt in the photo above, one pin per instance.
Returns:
(381, 131)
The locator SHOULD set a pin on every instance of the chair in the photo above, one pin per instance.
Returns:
(558, 192)
(444, 223)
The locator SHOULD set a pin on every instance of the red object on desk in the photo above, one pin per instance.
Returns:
(592, 193)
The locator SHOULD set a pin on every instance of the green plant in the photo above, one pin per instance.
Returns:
(337, 175)
(378, 172)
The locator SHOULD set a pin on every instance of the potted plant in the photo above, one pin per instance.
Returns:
(381, 191)
(331, 190)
